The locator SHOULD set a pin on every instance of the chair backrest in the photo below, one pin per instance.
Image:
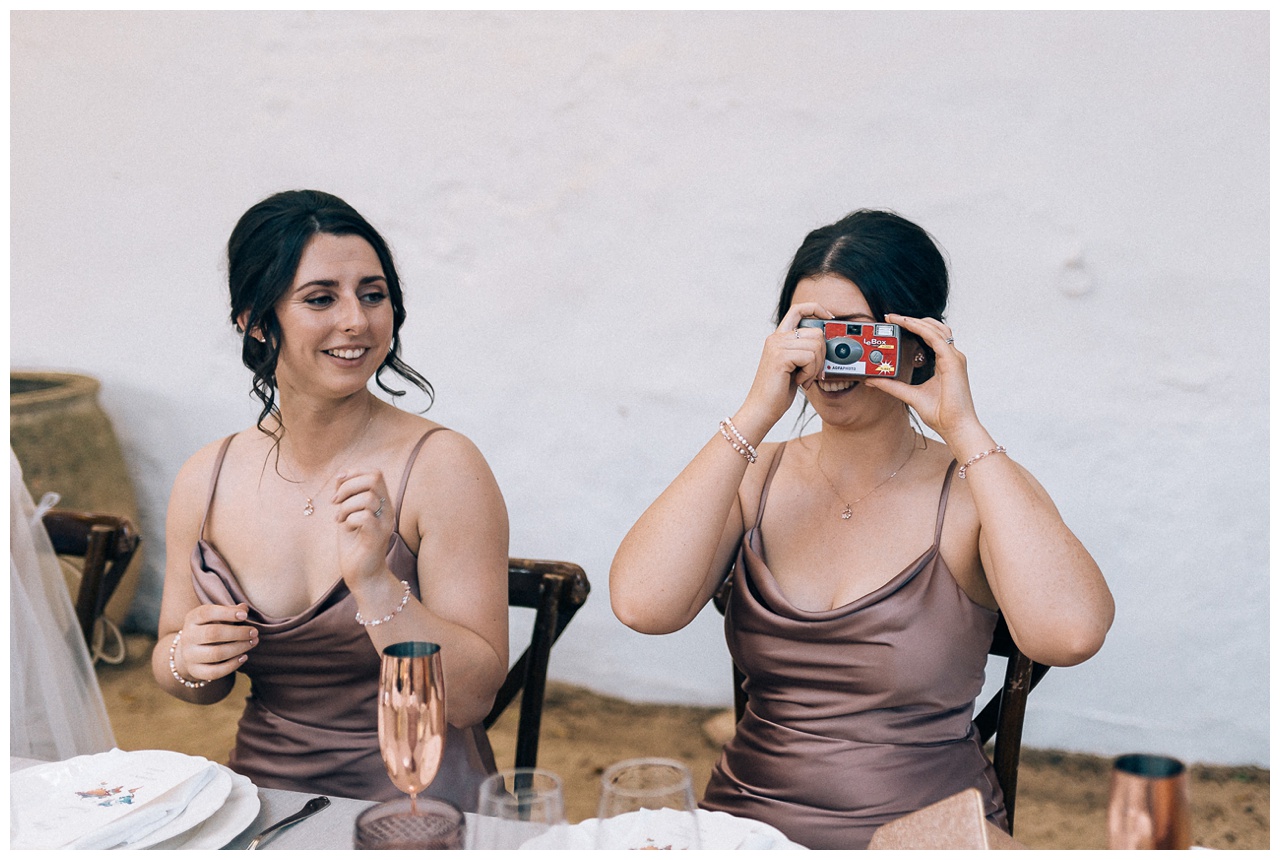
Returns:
(106, 543)
(1002, 716)
(554, 590)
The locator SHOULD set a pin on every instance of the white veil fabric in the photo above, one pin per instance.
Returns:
(55, 705)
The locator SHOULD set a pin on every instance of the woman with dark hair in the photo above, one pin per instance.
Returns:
(865, 592)
(338, 524)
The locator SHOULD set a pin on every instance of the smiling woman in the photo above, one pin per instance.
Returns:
(338, 524)
(862, 624)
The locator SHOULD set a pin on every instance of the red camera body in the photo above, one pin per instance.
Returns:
(859, 349)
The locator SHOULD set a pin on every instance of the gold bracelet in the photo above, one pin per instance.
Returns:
(392, 614)
(173, 665)
(999, 449)
(742, 446)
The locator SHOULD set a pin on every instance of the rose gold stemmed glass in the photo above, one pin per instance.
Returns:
(411, 733)
(411, 715)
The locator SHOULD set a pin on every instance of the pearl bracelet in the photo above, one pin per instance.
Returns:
(392, 614)
(999, 449)
(742, 446)
(173, 666)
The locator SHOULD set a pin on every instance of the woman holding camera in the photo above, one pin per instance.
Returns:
(338, 524)
(867, 562)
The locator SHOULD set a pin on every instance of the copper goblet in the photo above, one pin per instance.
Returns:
(1150, 804)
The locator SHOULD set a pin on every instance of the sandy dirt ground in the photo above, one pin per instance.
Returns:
(1062, 797)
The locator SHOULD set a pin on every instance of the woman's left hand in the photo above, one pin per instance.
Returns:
(944, 402)
(365, 522)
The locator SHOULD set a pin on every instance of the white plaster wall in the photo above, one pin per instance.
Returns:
(592, 213)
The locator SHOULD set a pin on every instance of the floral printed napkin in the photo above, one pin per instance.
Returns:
(108, 800)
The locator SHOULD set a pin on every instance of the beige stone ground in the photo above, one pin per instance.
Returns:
(1061, 797)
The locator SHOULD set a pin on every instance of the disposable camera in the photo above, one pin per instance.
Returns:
(858, 349)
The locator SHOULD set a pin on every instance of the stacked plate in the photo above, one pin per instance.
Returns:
(117, 799)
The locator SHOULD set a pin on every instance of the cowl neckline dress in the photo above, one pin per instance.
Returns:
(310, 722)
(856, 715)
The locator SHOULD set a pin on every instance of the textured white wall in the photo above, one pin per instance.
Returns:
(592, 213)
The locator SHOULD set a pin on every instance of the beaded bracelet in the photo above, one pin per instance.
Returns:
(173, 666)
(742, 446)
(392, 614)
(999, 449)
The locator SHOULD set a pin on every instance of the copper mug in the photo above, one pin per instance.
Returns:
(1150, 805)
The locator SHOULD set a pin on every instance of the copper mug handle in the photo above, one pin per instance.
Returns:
(1150, 805)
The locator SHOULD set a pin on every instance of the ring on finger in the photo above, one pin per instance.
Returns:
(381, 503)
(949, 340)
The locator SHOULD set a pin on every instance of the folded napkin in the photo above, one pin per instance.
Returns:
(109, 800)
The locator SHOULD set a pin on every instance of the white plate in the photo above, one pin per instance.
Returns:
(718, 831)
(208, 801)
(59, 802)
(237, 813)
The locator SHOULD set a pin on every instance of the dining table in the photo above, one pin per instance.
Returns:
(333, 828)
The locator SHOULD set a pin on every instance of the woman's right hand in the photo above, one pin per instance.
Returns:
(792, 358)
(215, 642)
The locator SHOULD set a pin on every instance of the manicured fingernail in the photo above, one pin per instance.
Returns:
(241, 616)
(243, 657)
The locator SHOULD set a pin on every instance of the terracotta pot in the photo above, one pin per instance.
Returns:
(65, 444)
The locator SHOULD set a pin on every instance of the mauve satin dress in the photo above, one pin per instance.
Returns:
(856, 715)
(311, 721)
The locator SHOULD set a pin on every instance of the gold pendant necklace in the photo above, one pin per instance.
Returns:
(309, 507)
(847, 513)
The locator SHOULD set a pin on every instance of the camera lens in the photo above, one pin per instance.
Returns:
(843, 350)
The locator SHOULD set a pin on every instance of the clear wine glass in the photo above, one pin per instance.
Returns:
(515, 806)
(411, 733)
(647, 803)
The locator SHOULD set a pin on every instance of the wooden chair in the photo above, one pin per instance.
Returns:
(1002, 716)
(106, 543)
(554, 590)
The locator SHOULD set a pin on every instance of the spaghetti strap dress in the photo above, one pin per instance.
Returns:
(310, 722)
(856, 715)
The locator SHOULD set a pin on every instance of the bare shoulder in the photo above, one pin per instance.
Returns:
(451, 493)
(189, 497)
(448, 468)
(445, 452)
(196, 473)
